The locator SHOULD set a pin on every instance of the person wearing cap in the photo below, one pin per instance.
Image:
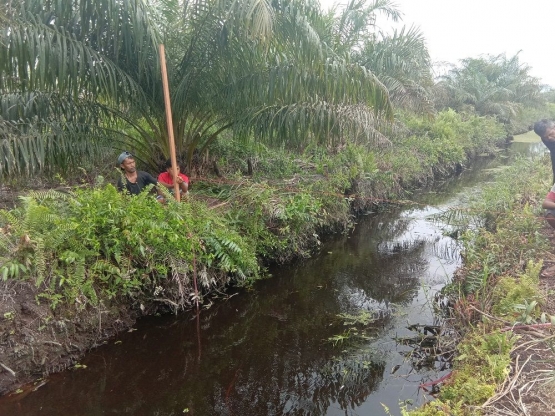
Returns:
(166, 179)
(135, 180)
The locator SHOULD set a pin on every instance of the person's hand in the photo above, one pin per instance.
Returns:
(179, 180)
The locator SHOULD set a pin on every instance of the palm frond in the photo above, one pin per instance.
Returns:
(43, 130)
(402, 63)
(45, 53)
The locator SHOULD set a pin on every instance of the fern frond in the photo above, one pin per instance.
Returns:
(42, 195)
(105, 267)
(227, 253)
(80, 269)
(40, 261)
(41, 219)
(7, 218)
(7, 245)
(54, 239)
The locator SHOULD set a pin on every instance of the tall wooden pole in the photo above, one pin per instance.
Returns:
(169, 122)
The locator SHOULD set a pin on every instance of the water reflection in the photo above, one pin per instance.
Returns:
(268, 351)
(528, 150)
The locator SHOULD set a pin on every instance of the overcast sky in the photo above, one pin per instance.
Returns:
(458, 29)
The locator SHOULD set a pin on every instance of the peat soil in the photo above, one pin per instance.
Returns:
(36, 341)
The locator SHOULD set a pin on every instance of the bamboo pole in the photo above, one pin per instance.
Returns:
(169, 122)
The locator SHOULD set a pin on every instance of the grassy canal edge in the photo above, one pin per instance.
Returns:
(502, 303)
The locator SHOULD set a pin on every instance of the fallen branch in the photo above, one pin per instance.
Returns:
(8, 369)
(52, 342)
(434, 382)
(510, 328)
(488, 315)
(218, 205)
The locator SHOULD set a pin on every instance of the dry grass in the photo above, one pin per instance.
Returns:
(528, 390)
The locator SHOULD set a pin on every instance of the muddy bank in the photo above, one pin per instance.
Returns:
(35, 341)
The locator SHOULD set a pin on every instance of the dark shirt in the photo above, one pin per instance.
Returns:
(551, 146)
(143, 179)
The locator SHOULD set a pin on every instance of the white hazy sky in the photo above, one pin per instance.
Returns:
(458, 29)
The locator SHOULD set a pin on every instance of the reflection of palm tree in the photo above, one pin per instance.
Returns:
(298, 368)
(347, 381)
(381, 271)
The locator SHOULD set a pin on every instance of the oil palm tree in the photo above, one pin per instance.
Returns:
(493, 85)
(77, 77)
(399, 60)
(67, 70)
(354, 24)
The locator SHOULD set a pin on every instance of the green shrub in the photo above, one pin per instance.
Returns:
(483, 362)
(510, 292)
(436, 408)
(99, 244)
(283, 224)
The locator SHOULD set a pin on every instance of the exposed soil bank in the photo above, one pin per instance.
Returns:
(35, 342)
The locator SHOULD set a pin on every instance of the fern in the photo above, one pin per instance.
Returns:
(105, 267)
(79, 269)
(34, 231)
(231, 245)
(63, 231)
(38, 219)
(227, 253)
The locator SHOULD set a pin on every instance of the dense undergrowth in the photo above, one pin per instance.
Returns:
(94, 244)
(497, 287)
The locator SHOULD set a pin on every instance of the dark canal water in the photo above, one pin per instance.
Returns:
(275, 350)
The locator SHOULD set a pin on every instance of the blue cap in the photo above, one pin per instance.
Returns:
(123, 156)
